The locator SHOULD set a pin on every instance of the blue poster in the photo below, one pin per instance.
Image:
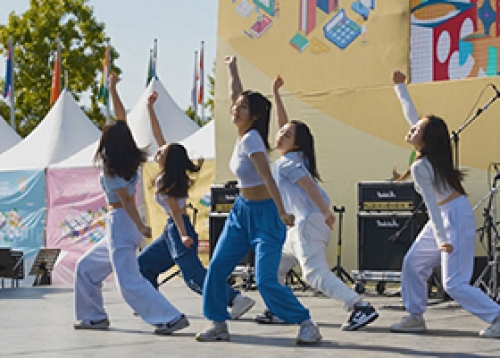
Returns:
(22, 211)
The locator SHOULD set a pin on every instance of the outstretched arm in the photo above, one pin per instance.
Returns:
(155, 124)
(120, 113)
(312, 191)
(281, 116)
(409, 111)
(235, 86)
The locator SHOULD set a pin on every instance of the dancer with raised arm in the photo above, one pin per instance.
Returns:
(448, 238)
(256, 221)
(178, 244)
(297, 177)
(120, 158)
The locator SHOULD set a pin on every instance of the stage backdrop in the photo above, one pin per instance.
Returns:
(337, 58)
(22, 213)
(76, 216)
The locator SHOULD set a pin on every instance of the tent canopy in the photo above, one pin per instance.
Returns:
(201, 144)
(63, 132)
(8, 136)
(174, 123)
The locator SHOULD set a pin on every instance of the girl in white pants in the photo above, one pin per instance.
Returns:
(121, 159)
(448, 237)
(307, 242)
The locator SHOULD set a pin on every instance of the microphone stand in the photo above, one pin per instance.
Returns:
(455, 134)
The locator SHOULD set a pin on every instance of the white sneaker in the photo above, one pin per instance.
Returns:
(308, 333)
(241, 305)
(492, 331)
(216, 331)
(411, 323)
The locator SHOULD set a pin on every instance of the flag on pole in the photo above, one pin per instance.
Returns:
(150, 68)
(7, 91)
(56, 76)
(200, 77)
(153, 62)
(103, 95)
(194, 92)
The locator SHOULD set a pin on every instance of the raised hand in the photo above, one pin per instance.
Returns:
(230, 60)
(278, 83)
(398, 77)
(152, 98)
(113, 79)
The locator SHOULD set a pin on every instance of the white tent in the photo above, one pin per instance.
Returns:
(201, 144)
(63, 132)
(8, 136)
(174, 123)
(83, 158)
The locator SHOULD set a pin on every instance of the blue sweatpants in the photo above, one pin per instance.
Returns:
(251, 225)
(168, 250)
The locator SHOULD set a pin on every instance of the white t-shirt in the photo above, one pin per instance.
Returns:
(287, 170)
(423, 173)
(241, 164)
(161, 199)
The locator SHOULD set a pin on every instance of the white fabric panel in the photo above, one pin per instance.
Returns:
(8, 137)
(174, 123)
(63, 132)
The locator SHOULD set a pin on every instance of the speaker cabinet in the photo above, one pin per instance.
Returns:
(380, 247)
(216, 223)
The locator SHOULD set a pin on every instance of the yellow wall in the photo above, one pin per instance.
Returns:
(347, 99)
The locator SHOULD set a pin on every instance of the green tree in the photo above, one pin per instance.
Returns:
(35, 35)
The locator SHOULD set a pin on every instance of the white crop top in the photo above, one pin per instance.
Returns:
(161, 199)
(423, 173)
(241, 164)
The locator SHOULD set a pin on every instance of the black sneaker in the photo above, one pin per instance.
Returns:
(268, 318)
(360, 317)
(172, 326)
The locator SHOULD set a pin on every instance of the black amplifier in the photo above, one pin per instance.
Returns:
(223, 197)
(387, 196)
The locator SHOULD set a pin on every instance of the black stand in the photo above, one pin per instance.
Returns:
(455, 134)
(490, 230)
(178, 271)
(338, 269)
(43, 265)
(293, 279)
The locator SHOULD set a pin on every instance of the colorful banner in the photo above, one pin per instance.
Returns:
(22, 212)
(75, 218)
(453, 40)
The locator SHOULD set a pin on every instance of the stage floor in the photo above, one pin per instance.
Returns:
(37, 322)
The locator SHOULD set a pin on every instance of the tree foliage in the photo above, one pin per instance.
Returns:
(34, 34)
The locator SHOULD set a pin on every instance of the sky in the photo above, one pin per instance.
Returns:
(132, 25)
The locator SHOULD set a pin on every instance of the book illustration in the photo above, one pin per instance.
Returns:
(261, 25)
(299, 42)
(267, 5)
(360, 9)
(244, 8)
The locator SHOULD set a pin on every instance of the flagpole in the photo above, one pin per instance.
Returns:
(202, 83)
(155, 59)
(194, 94)
(12, 106)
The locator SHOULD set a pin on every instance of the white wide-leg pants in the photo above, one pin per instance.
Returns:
(456, 267)
(117, 252)
(306, 244)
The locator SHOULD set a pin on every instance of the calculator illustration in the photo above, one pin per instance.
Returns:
(341, 30)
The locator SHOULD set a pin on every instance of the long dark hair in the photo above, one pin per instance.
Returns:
(304, 142)
(174, 179)
(437, 149)
(117, 151)
(260, 107)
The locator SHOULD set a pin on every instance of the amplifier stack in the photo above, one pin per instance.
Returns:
(222, 200)
(390, 215)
